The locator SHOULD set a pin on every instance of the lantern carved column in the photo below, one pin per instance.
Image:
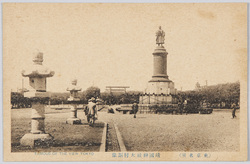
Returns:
(73, 99)
(37, 74)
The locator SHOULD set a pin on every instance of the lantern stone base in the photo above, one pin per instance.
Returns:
(35, 140)
(73, 121)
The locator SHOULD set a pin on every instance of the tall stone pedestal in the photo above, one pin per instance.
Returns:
(160, 88)
(73, 116)
(37, 135)
(37, 74)
(160, 83)
(160, 64)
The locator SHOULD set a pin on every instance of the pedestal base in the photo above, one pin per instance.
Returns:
(73, 121)
(34, 140)
(156, 99)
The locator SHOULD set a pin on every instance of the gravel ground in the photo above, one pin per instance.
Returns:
(66, 137)
(147, 132)
(193, 132)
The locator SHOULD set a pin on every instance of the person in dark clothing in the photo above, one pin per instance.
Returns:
(135, 109)
(233, 110)
(86, 111)
(181, 107)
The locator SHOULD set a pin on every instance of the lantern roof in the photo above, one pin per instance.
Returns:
(37, 69)
(73, 86)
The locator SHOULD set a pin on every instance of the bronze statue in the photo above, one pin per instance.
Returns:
(160, 34)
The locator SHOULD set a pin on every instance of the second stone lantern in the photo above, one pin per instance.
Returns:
(73, 99)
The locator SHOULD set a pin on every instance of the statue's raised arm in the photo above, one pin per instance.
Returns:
(160, 36)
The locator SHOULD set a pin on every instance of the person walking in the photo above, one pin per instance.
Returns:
(181, 106)
(92, 108)
(86, 111)
(233, 110)
(135, 109)
(186, 106)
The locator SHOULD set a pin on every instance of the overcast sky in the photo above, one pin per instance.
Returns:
(112, 44)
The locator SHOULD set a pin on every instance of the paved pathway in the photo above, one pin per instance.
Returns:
(194, 132)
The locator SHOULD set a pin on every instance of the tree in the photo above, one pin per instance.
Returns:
(92, 92)
(19, 101)
(217, 94)
(59, 98)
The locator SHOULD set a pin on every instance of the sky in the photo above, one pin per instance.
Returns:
(112, 44)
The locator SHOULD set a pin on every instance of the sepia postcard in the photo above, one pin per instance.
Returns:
(125, 82)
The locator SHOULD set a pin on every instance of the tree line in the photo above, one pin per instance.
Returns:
(106, 97)
(218, 96)
(19, 101)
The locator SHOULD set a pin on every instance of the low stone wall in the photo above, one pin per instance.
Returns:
(144, 108)
(64, 106)
(126, 106)
(157, 99)
(152, 108)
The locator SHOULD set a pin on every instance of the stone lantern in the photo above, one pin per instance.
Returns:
(37, 74)
(73, 99)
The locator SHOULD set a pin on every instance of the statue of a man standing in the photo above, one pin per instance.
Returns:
(160, 34)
